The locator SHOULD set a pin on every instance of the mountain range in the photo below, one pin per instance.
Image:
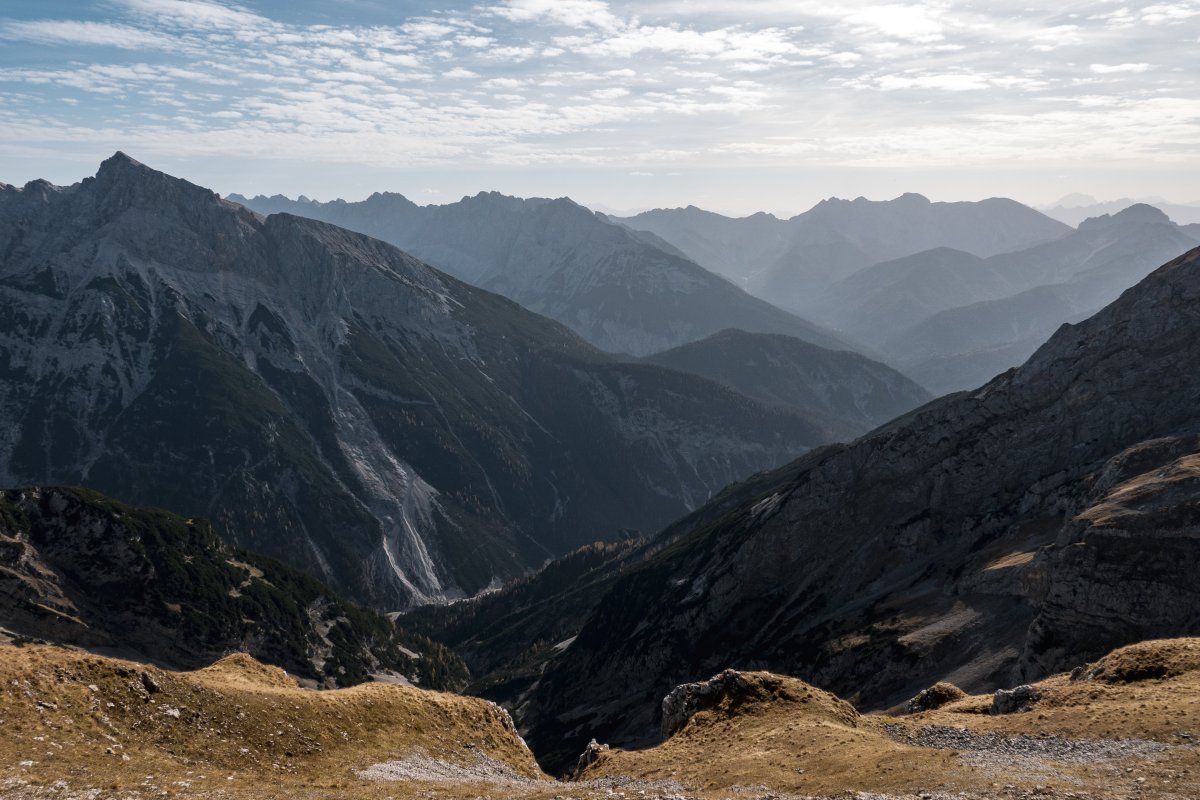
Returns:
(1075, 208)
(953, 321)
(790, 260)
(623, 291)
(330, 401)
(949, 293)
(411, 439)
(986, 539)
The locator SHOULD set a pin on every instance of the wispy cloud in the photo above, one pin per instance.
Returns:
(102, 34)
(589, 82)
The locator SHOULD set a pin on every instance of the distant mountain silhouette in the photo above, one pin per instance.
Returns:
(792, 261)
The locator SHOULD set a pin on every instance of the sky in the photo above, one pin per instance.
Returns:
(733, 106)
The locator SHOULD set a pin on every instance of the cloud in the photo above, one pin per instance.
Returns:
(1169, 13)
(844, 59)
(950, 82)
(571, 13)
(101, 34)
(503, 83)
(615, 93)
(585, 82)
(909, 22)
(728, 44)
(1109, 69)
(197, 13)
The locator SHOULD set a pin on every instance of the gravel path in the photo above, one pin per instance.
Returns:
(423, 768)
(1044, 748)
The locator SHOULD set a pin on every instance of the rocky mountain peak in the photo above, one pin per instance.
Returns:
(123, 183)
(1136, 214)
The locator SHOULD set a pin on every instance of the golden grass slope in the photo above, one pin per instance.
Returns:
(237, 728)
(1128, 726)
(75, 725)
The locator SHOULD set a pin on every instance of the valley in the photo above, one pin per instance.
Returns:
(510, 498)
(573, 538)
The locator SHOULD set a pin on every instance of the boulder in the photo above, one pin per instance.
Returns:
(1011, 701)
(686, 699)
(935, 696)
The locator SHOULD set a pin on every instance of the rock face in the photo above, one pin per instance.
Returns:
(590, 755)
(682, 702)
(1015, 700)
(621, 291)
(1124, 563)
(986, 539)
(935, 696)
(330, 401)
(76, 567)
(852, 392)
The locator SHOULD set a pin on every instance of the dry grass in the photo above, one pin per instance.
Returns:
(237, 726)
(239, 729)
(798, 744)
(800, 740)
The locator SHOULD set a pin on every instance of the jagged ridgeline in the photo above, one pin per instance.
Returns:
(330, 401)
(624, 291)
(80, 568)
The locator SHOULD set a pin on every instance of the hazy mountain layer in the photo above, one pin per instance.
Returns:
(791, 261)
(852, 392)
(1085, 207)
(615, 287)
(984, 539)
(331, 401)
(962, 344)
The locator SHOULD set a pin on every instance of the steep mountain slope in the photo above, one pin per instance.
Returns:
(612, 286)
(984, 539)
(960, 348)
(853, 392)
(792, 261)
(79, 568)
(330, 401)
